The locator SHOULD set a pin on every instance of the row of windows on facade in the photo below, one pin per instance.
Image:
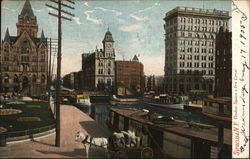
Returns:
(101, 71)
(23, 50)
(29, 31)
(197, 43)
(196, 72)
(196, 57)
(101, 80)
(188, 87)
(108, 54)
(171, 35)
(24, 58)
(25, 68)
(101, 63)
(192, 28)
(196, 50)
(196, 64)
(16, 79)
(199, 28)
(189, 80)
(131, 71)
(197, 21)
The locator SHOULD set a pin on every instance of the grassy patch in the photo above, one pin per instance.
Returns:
(31, 111)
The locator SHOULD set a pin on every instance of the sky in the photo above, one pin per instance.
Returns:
(136, 26)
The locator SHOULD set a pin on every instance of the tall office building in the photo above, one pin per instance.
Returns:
(190, 48)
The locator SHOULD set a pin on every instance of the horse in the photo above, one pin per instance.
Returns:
(132, 139)
(126, 139)
(87, 141)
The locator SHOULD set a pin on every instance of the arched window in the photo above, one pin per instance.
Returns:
(6, 78)
(16, 79)
(43, 79)
(197, 35)
(34, 78)
(211, 36)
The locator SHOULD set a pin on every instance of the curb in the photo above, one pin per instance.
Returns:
(26, 138)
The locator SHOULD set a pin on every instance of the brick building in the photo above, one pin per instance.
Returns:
(129, 76)
(223, 64)
(150, 83)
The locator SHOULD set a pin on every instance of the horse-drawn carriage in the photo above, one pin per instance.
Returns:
(118, 145)
(127, 145)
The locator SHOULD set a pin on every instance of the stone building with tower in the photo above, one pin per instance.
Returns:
(190, 36)
(24, 57)
(99, 67)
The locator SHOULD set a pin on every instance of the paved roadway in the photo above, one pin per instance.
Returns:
(72, 121)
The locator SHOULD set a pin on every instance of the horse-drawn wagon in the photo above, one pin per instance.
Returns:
(127, 145)
(118, 145)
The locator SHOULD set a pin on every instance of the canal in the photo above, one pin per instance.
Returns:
(99, 112)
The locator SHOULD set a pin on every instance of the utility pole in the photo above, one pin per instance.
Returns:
(52, 46)
(0, 47)
(59, 56)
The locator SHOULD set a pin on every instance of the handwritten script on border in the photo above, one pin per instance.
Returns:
(240, 79)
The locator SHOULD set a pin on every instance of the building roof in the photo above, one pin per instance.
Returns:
(135, 58)
(108, 37)
(196, 130)
(7, 36)
(13, 39)
(27, 10)
(42, 35)
(197, 12)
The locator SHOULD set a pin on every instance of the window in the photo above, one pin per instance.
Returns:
(182, 34)
(109, 71)
(33, 58)
(43, 79)
(34, 78)
(100, 71)
(42, 68)
(6, 78)
(6, 58)
(16, 79)
(6, 68)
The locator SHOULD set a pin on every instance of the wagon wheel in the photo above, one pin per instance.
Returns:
(147, 152)
(120, 154)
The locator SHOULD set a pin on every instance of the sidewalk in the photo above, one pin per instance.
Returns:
(72, 121)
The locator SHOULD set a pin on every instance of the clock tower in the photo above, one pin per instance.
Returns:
(108, 43)
(27, 21)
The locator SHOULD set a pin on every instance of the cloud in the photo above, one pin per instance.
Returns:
(95, 21)
(12, 10)
(86, 4)
(39, 10)
(137, 18)
(141, 18)
(144, 10)
(117, 13)
(77, 20)
(157, 4)
(130, 28)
